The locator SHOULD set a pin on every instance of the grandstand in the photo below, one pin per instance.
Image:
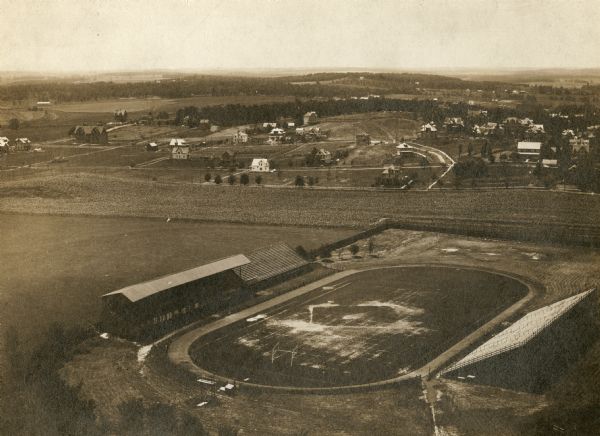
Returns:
(160, 304)
(533, 350)
(272, 263)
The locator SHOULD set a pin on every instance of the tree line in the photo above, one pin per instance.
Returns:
(317, 85)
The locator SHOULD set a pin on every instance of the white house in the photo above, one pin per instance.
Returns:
(180, 152)
(22, 144)
(259, 165)
(240, 138)
(175, 142)
(403, 147)
(4, 143)
(529, 149)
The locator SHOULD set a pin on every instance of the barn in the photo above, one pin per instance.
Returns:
(155, 306)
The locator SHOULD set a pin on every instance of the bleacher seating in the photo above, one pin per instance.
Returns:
(521, 332)
(269, 262)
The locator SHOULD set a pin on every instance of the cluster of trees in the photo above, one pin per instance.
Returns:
(158, 419)
(469, 168)
(236, 114)
(394, 181)
(121, 116)
(301, 181)
(232, 179)
(33, 397)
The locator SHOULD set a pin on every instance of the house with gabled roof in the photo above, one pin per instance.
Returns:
(429, 130)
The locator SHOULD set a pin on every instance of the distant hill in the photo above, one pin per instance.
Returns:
(101, 86)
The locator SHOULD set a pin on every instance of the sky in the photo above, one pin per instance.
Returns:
(134, 35)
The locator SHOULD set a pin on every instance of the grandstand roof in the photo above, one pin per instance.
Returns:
(271, 261)
(145, 289)
(521, 332)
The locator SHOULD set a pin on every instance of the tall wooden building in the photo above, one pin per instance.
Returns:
(158, 304)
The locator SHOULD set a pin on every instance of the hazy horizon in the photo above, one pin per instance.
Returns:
(96, 37)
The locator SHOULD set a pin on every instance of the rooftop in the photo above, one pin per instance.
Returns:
(142, 290)
(271, 261)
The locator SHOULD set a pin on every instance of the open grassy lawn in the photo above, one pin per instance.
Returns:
(158, 104)
(55, 268)
(372, 326)
(54, 125)
(47, 154)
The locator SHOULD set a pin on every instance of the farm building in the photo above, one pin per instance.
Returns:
(22, 144)
(276, 136)
(529, 149)
(90, 134)
(240, 138)
(259, 165)
(152, 146)
(310, 118)
(43, 104)
(534, 351)
(159, 303)
(272, 264)
(428, 130)
(363, 139)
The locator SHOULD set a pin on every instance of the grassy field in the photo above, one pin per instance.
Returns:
(47, 154)
(348, 336)
(55, 268)
(380, 125)
(159, 104)
(52, 125)
(120, 194)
